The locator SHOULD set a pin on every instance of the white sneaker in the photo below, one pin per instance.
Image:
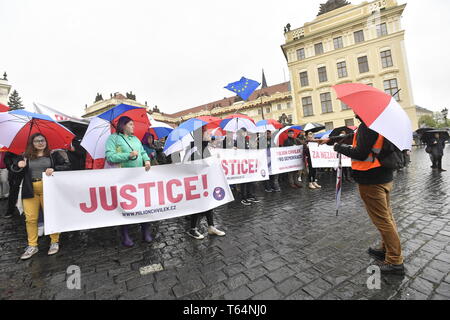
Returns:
(213, 230)
(316, 185)
(40, 231)
(311, 186)
(29, 252)
(54, 248)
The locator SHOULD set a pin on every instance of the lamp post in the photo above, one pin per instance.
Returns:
(445, 113)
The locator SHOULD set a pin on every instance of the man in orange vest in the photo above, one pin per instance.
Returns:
(375, 184)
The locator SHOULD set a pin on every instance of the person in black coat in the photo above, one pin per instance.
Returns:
(14, 180)
(247, 189)
(197, 151)
(436, 146)
(292, 175)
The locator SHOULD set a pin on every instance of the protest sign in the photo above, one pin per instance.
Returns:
(78, 200)
(324, 156)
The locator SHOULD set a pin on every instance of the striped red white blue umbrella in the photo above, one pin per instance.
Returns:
(282, 135)
(3, 108)
(235, 122)
(159, 129)
(181, 137)
(17, 126)
(323, 135)
(379, 111)
(268, 125)
(101, 127)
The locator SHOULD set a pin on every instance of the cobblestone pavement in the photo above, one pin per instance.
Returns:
(291, 245)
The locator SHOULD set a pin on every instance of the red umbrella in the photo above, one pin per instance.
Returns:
(17, 126)
(3, 108)
(137, 114)
(379, 111)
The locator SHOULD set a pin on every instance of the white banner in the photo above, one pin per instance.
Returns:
(286, 159)
(241, 166)
(324, 156)
(80, 200)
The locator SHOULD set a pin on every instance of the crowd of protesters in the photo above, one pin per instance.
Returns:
(21, 176)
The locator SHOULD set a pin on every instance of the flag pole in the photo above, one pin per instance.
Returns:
(338, 183)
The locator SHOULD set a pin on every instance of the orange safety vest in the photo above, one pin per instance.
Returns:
(371, 162)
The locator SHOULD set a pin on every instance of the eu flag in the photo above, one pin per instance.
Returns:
(243, 88)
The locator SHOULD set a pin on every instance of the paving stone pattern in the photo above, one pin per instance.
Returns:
(289, 246)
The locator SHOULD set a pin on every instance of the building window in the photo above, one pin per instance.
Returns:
(322, 74)
(279, 106)
(382, 30)
(318, 48)
(363, 64)
(386, 59)
(259, 111)
(344, 106)
(329, 126)
(342, 69)
(359, 36)
(307, 107)
(338, 43)
(301, 54)
(268, 110)
(288, 105)
(325, 101)
(304, 79)
(391, 88)
(289, 118)
(349, 122)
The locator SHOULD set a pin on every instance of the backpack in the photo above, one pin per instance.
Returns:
(390, 156)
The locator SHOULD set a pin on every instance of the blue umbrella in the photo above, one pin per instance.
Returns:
(181, 137)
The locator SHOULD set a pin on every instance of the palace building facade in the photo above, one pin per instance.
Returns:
(347, 43)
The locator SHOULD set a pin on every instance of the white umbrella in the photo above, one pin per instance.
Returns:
(94, 140)
(237, 121)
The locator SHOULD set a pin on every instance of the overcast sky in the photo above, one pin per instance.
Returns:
(180, 54)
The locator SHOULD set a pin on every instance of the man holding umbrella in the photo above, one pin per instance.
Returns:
(435, 140)
(380, 117)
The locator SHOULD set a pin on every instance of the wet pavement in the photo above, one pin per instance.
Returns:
(291, 245)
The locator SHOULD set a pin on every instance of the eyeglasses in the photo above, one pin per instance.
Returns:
(39, 141)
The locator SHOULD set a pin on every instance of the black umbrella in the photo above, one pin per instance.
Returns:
(421, 131)
(430, 134)
(313, 127)
(337, 132)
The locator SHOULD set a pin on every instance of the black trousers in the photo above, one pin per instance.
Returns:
(195, 218)
(247, 190)
(346, 173)
(437, 162)
(14, 181)
(311, 171)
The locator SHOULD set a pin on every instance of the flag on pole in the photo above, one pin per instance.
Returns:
(338, 183)
(55, 114)
(243, 88)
